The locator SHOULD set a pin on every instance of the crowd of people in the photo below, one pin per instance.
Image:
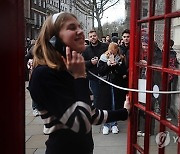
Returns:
(108, 59)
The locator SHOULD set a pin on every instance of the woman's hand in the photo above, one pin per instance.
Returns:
(124, 76)
(144, 62)
(75, 63)
(127, 104)
(109, 63)
(113, 63)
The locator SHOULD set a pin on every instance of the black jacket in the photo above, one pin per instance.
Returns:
(66, 110)
(89, 53)
(125, 52)
(113, 74)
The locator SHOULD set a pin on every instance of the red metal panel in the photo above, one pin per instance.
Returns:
(138, 148)
(159, 17)
(12, 77)
(131, 67)
(148, 78)
(134, 56)
(165, 65)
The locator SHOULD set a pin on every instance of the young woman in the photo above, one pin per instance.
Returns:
(111, 67)
(59, 86)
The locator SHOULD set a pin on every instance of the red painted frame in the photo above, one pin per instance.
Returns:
(12, 115)
(135, 35)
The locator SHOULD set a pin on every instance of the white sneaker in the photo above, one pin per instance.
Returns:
(35, 112)
(115, 130)
(140, 134)
(169, 119)
(105, 130)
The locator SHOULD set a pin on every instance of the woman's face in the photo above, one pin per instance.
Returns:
(114, 51)
(72, 35)
(144, 46)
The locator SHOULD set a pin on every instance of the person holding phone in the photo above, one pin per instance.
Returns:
(59, 86)
(111, 67)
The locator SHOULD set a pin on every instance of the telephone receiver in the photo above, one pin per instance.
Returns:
(58, 45)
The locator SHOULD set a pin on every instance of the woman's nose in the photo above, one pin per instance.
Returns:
(79, 31)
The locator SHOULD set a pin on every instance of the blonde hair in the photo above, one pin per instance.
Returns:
(112, 47)
(44, 53)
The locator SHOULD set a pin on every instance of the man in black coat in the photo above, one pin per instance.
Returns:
(91, 56)
(124, 49)
(125, 45)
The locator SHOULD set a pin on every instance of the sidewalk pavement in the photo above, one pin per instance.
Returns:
(104, 144)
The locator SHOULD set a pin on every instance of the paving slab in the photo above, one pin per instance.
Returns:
(36, 141)
(34, 129)
(31, 151)
(40, 151)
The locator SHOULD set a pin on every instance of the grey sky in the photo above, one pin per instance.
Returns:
(114, 13)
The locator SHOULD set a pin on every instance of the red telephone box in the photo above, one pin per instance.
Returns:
(154, 125)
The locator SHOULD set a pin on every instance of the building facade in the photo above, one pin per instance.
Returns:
(28, 21)
(36, 12)
(52, 6)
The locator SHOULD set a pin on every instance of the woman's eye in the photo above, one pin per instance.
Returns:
(72, 27)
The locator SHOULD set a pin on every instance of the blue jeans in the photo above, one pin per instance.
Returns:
(94, 87)
(109, 125)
